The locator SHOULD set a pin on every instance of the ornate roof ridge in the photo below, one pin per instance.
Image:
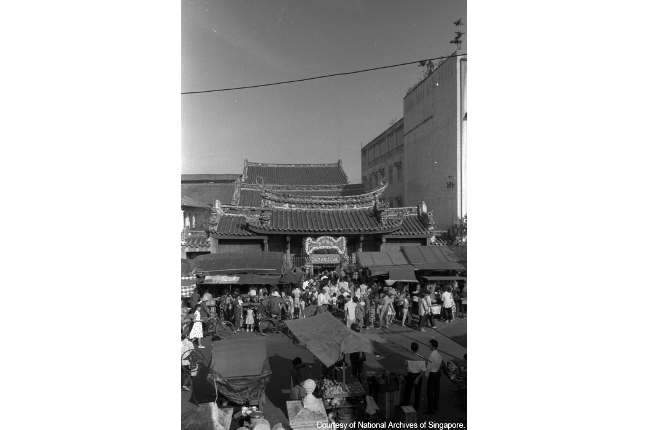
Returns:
(271, 199)
(323, 187)
(251, 163)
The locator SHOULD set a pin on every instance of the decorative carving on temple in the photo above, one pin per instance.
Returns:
(276, 198)
(264, 219)
(236, 193)
(216, 214)
(326, 242)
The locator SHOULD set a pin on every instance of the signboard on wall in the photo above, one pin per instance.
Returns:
(325, 258)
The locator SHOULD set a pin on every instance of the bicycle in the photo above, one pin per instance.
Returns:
(271, 325)
(211, 326)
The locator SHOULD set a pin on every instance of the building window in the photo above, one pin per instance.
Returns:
(399, 171)
(390, 174)
(391, 202)
(399, 136)
(390, 142)
(370, 153)
(399, 201)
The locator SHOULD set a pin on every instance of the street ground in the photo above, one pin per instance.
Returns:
(281, 351)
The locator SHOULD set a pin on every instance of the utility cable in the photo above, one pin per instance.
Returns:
(422, 62)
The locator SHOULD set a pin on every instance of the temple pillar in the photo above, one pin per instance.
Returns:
(214, 244)
(288, 249)
(360, 243)
(265, 245)
(383, 240)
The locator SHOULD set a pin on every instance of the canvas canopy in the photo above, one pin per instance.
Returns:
(240, 370)
(328, 339)
(434, 257)
(383, 258)
(402, 274)
(239, 262)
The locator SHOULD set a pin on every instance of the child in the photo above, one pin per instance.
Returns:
(302, 308)
(196, 331)
(249, 319)
(334, 304)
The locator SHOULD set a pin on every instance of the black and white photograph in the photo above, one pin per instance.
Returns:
(324, 204)
(320, 151)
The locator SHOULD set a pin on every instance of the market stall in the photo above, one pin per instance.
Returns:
(330, 341)
(241, 371)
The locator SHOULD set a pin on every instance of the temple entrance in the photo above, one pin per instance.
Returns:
(325, 253)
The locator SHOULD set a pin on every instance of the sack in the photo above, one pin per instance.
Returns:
(371, 407)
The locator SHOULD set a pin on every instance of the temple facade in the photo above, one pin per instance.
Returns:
(311, 214)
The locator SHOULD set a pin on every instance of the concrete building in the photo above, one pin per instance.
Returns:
(435, 142)
(383, 158)
(423, 155)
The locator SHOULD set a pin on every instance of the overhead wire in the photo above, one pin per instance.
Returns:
(423, 62)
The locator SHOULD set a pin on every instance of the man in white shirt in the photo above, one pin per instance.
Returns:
(350, 311)
(322, 300)
(362, 287)
(343, 284)
(414, 379)
(446, 298)
(433, 375)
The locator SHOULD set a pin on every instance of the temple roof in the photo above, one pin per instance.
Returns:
(322, 221)
(208, 193)
(210, 178)
(232, 225)
(413, 225)
(294, 174)
(251, 196)
(201, 242)
(276, 198)
(187, 201)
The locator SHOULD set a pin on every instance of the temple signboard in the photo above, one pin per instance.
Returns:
(324, 258)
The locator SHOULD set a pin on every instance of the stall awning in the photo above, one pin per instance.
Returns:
(328, 339)
(383, 258)
(239, 262)
(434, 257)
(444, 278)
(242, 279)
(403, 274)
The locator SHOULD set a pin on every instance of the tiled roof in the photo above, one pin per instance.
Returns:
(313, 220)
(295, 174)
(197, 242)
(225, 178)
(232, 226)
(252, 198)
(187, 201)
(412, 225)
(208, 193)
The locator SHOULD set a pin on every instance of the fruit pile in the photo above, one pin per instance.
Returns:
(330, 388)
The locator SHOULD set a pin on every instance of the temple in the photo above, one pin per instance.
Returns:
(311, 214)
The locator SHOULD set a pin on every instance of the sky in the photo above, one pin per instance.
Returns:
(238, 43)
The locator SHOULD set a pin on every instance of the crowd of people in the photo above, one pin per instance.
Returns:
(365, 303)
(360, 303)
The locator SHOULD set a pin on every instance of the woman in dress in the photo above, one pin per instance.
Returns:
(196, 332)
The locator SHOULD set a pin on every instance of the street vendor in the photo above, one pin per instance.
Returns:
(296, 389)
